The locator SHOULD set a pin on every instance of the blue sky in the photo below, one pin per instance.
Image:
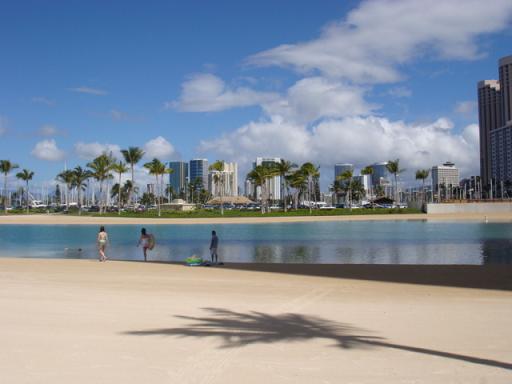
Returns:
(330, 81)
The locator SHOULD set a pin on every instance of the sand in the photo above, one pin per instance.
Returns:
(57, 219)
(81, 321)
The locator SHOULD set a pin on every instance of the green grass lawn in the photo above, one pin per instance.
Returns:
(201, 213)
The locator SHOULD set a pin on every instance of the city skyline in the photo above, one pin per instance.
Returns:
(76, 84)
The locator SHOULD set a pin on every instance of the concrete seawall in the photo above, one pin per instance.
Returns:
(498, 207)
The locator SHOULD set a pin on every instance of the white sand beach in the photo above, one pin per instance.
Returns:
(82, 321)
(57, 219)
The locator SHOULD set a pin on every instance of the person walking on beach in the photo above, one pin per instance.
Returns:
(102, 243)
(147, 241)
(214, 243)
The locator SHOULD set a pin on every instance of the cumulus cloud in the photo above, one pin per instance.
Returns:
(370, 44)
(90, 91)
(313, 98)
(359, 140)
(47, 150)
(158, 147)
(207, 93)
(89, 151)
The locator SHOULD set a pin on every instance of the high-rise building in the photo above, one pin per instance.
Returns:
(495, 118)
(230, 180)
(198, 169)
(380, 175)
(274, 183)
(340, 168)
(490, 117)
(446, 175)
(179, 176)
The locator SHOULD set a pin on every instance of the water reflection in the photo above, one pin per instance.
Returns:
(351, 243)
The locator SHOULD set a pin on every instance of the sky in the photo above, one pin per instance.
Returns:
(322, 81)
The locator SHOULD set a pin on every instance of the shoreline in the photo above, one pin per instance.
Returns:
(53, 219)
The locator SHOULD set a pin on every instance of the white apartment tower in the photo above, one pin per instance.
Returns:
(230, 180)
(446, 174)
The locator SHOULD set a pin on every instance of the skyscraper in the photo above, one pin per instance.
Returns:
(380, 174)
(490, 117)
(230, 178)
(446, 175)
(495, 118)
(274, 183)
(340, 168)
(179, 176)
(198, 169)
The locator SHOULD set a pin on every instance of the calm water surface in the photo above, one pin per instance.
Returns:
(365, 242)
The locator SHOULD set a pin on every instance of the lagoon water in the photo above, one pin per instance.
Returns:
(365, 242)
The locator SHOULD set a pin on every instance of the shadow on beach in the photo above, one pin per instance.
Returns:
(236, 329)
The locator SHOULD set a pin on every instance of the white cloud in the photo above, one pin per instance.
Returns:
(466, 108)
(313, 98)
(359, 140)
(88, 90)
(208, 93)
(159, 147)
(89, 151)
(44, 100)
(379, 36)
(48, 150)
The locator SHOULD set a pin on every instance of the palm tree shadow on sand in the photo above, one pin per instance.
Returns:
(237, 329)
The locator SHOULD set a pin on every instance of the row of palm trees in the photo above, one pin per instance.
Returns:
(303, 179)
(26, 175)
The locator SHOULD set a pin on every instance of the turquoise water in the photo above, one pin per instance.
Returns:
(365, 242)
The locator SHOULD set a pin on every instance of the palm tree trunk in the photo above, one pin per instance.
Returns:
(221, 196)
(5, 193)
(157, 195)
(27, 196)
(130, 197)
(119, 196)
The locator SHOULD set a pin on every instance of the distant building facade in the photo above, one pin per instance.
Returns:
(230, 180)
(274, 183)
(380, 175)
(495, 122)
(198, 169)
(178, 178)
(342, 167)
(445, 175)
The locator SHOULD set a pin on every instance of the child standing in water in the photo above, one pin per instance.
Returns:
(102, 243)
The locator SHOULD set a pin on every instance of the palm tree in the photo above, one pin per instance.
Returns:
(80, 177)
(26, 176)
(132, 156)
(393, 167)
(218, 179)
(347, 177)
(258, 177)
(284, 168)
(67, 177)
(157, 168)
(368, 170)
(101, 168)
(298, 181)
(120, 168)
(422, 174)
(310, 172)
(5, 167)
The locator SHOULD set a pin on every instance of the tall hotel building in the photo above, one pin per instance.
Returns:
(179, 176)
(495, 118)
(230, 176)
(198, 169)
(340, 168)
(274, 183)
